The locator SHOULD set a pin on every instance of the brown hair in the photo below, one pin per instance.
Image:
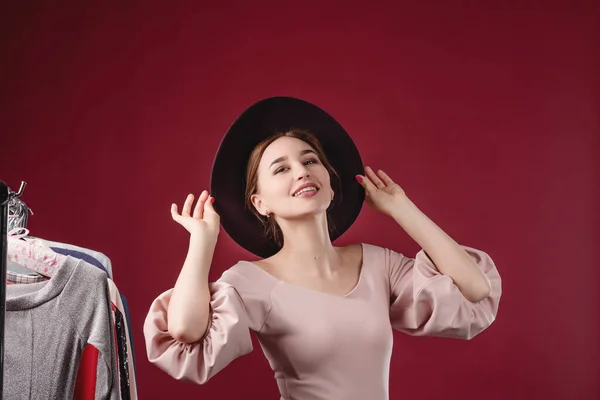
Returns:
(271, 227)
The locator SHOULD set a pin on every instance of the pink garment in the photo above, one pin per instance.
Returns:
(33, 253)
(323, 346)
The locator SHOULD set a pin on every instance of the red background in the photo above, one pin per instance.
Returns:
(485, 114)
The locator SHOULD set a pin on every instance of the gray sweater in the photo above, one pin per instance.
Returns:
(48, 324)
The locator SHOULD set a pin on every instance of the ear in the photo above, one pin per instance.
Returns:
(259, 204)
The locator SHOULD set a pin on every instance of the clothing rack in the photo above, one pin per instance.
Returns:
(6, 196)
(111, 337)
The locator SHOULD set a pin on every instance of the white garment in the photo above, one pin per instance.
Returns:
(102, 258)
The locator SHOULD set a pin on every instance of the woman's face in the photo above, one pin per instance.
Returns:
(292, 181)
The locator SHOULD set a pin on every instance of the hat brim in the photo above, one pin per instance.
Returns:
(258, 122)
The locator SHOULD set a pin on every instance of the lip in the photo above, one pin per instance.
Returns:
(305, 186)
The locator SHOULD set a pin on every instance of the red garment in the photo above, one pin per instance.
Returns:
(85, 386)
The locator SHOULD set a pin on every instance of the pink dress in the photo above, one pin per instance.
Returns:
(323, 346)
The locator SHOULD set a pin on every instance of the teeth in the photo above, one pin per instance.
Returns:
(308, 189)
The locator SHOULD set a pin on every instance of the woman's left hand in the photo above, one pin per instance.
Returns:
(382, 193)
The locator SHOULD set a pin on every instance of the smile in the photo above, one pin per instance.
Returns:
(305, 190)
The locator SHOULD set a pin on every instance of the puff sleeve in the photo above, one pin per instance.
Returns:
(425, 302)
(227, 338)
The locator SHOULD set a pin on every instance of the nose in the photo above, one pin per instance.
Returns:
(302, 172)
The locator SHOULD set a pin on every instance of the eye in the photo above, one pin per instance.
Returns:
(311, 161)
(278, 170)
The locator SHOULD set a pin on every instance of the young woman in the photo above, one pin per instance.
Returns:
(323, 314)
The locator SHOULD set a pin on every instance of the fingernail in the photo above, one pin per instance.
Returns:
(212, 200)
(359, 178)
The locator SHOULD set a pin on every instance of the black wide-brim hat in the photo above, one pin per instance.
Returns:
(258, 122)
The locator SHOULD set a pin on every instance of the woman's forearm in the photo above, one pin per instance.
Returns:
(449, 258)
(189, 309)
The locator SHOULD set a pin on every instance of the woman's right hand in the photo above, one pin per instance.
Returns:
(203, 222)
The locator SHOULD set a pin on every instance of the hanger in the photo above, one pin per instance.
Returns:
(18, 211)
(24, 253)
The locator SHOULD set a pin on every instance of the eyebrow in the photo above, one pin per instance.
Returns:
(280, 159)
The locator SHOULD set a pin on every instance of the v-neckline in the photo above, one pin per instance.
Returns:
(305, 288)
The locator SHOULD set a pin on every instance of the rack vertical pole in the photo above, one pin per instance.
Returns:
(4, 199)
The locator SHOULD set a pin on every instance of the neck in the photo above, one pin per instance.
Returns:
(307, 241)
